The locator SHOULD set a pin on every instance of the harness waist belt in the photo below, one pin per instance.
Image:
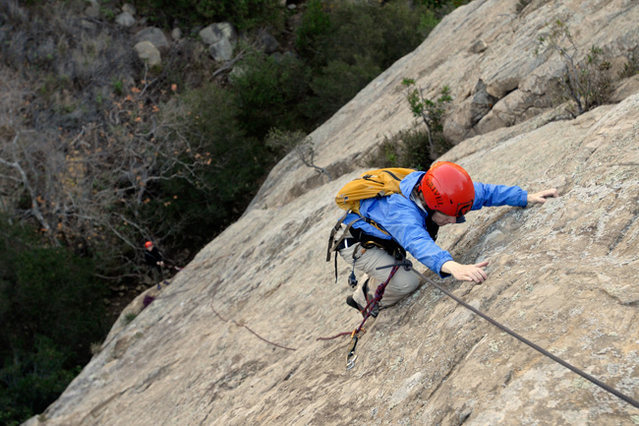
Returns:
(346, 242)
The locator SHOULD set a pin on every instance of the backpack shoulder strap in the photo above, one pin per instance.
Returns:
(333, 243)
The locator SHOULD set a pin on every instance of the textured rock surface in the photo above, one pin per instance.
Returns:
(215, 346)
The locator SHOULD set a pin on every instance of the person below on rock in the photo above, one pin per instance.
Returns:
(155, 261)
(429, 200)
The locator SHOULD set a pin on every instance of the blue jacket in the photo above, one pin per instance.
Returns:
(405, 221)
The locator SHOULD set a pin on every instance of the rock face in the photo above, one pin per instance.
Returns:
(233, 339)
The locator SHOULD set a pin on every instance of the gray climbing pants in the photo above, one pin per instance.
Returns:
(401, 285)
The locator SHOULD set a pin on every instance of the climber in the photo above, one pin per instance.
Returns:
(155, 261)
(410, 221)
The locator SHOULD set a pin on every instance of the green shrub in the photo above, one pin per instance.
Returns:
(267, 90)
(313, 33)
(118, 87)
(403, 26)
(408, 148)
(243, 13)
(107, 13)
(415, 148)
(441, 7)
(31, 380)
(51, 307)
(631, 68)
(431, 113)
(343, 31)
(347, 44)
(336, 84)
(586, 83)
(129, 317)
(53, 287)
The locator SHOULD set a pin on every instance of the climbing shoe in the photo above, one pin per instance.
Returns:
(368, 297)
(353, 304)
(350, 301)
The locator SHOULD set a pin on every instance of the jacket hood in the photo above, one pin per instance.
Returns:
(408, 183)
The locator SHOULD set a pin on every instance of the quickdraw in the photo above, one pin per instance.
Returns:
(370, 309)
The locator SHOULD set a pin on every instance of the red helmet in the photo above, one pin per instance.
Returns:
(447, 188)
(148, 244)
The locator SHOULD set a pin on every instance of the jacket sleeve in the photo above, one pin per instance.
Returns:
(487, 195)
(402, 219)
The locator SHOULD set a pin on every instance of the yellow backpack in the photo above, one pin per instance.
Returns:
(371, 184)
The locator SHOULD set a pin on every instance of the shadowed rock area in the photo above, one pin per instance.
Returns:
(233, 339)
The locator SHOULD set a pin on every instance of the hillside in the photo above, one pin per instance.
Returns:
(233, 339)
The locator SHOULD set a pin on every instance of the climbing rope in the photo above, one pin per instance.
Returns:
(522, 339)
(251, 331)
(351, 357)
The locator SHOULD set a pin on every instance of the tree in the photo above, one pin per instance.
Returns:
(87, 190)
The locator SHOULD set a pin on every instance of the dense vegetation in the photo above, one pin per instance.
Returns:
(51, 310)
(99, 153)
